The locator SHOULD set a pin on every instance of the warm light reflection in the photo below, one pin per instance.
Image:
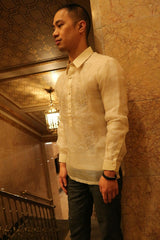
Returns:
(55, 76)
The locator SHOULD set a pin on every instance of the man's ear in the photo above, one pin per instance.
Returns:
(82, 26)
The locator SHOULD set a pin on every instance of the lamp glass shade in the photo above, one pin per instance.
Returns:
(52, 119)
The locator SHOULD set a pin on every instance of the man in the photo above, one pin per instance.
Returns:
(92, 130)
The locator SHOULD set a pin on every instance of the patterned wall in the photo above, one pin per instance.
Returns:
(26, 32)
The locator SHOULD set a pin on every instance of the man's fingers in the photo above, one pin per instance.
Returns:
(63, 184)
(108, 196)
(114, 194)
(105, 199)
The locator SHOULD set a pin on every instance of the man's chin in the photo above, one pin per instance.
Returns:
(62, 49)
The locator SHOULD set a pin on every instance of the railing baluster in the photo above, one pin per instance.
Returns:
(41, 219)
(17, 225)
(50, 223)
(45, 228)
(54, 223)
(49, 226)
(47, 223)
(28, 220)
(5, 216)
(23, 218)
(16, 211)
(34, 221)
(11, 215)
(2, 220)
(37, 220)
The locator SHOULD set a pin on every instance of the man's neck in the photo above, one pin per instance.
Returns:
(74, 53)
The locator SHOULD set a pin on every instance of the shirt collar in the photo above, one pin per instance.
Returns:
(82, 57)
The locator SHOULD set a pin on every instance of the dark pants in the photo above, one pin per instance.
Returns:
(81, 197)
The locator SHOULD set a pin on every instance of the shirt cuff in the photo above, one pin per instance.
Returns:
(110, 165)
(62, 157)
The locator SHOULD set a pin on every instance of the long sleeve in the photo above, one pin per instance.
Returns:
(113, 92)
(61, 143)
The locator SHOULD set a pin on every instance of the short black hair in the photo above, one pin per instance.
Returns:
(79, 13)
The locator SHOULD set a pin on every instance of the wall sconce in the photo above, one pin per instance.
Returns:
(51, 115)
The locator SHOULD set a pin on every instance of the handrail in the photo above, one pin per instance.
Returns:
(26, 193)
(18, 197)
(23, 218)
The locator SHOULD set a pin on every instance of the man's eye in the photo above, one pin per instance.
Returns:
(60, 25)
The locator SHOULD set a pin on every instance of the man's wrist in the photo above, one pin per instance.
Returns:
(109, 173)
(62, 164)
(109, 178)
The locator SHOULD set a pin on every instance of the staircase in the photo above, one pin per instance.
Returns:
(25, 219)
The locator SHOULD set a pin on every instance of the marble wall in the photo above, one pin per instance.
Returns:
(129, 31)
(21, 163)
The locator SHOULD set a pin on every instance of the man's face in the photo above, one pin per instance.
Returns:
(65, 31)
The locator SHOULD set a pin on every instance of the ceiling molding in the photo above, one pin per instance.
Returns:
(35, 109)
(9, 109)
(52, 137)
(5, 115)
(49, 138)
(33, 69)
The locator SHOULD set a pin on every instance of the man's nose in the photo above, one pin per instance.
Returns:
(55, 33)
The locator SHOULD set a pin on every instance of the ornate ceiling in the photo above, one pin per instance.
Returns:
(29, 61)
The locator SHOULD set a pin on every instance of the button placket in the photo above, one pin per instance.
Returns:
(69, 95)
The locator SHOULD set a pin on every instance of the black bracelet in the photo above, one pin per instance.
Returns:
(109, 178)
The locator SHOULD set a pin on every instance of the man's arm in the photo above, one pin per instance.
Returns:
(62, 157)
(113, 92)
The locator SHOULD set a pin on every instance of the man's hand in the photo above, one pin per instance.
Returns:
(63, 177)
(108, 188)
